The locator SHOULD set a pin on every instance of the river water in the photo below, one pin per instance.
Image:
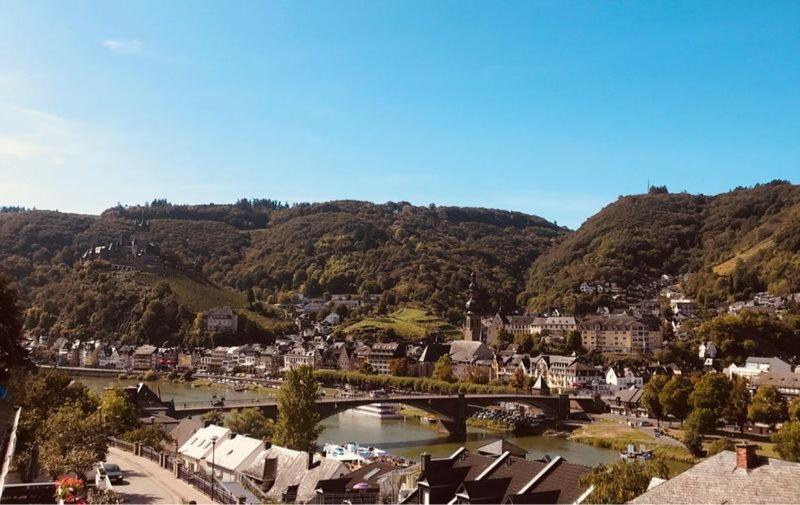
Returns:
(402, 437)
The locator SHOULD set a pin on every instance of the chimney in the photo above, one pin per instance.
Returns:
(310, 460)
(426, 461)
(746, 458)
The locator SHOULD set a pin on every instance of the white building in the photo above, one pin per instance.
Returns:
(235, 453)
(756, 365)
(197, 448)
(625, 379)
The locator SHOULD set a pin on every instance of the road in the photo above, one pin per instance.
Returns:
(146, 482)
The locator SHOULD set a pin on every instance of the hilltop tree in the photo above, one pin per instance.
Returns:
(650, 396)
(674, 397)
(794, 410)
(768, 406)
(250, 422)
(298, 421)
(443, 369)
(622, 481)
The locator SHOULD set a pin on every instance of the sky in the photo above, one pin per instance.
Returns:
(551, 108)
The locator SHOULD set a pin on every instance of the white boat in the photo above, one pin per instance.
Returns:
(352, 452)
(379, 410)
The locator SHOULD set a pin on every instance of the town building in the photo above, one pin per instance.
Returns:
(194, 452)
(382, 353)
(620, 333)
(756, 365)
(471, 357)
(220, 320)
(145, 357)
(234, 453)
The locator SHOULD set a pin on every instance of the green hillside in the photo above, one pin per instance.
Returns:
(407, 322)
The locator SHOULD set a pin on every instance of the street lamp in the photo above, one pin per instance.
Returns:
(214, 439)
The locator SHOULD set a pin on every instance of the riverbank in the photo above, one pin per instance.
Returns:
(616, 435)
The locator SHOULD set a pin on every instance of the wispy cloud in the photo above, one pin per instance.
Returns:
(126, 46)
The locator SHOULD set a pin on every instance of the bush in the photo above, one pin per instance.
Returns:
(693, 442)
(150, 375)
(719, 445)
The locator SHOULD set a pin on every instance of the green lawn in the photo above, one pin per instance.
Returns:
(407, 322)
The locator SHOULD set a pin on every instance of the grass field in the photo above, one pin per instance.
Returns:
(407, 322)
(726, 267)
(617, 436)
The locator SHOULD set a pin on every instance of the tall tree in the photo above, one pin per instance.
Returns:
(794, 410)
(298, 422)
(118, 413)
(71, 441)
(674, 397)
(250, 422)
(622, 481)
(787, 441)
(712, 392)
(12, 354)
(738, 403)
(650, 396)
(701, 420)
(768, 406)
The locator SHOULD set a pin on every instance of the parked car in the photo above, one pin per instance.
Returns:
(112, 470)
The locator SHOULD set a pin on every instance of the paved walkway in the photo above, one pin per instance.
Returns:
(146, 482)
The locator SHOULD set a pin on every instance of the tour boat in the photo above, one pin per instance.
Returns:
(352, 452)
(379, 410)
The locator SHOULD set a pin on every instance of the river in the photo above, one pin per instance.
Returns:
(402, 437)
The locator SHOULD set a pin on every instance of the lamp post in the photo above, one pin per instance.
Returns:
(214, 439)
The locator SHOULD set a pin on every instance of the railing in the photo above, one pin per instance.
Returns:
(215, 491)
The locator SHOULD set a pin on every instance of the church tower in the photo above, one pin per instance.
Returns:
(472, 325)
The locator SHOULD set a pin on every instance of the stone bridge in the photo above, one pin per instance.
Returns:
(452, 410)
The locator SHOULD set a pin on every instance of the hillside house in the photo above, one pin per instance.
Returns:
(221, 320)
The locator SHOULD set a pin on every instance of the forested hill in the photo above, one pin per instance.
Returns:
(412, 253)
(733, 244)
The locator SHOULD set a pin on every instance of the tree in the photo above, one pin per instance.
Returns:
(518, 379)
(504, 338)
(768, 406)
(398, 367)
(118, 413)
(738, 404)
(149, 435)
(443, 369)
(478, 376)
(794, 410)
(701, 420)
(298, 421)
(674, 397)
(214, 417)
(650, 398)
(622, 481)
(251, 297)
(574, 343)
(787, 441)
(693, 442)
(12, 354)
(366, 368)
(712, 392)
(71, 441)
(250, 422)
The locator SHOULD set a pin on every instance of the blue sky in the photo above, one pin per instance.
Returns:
(553, 108)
